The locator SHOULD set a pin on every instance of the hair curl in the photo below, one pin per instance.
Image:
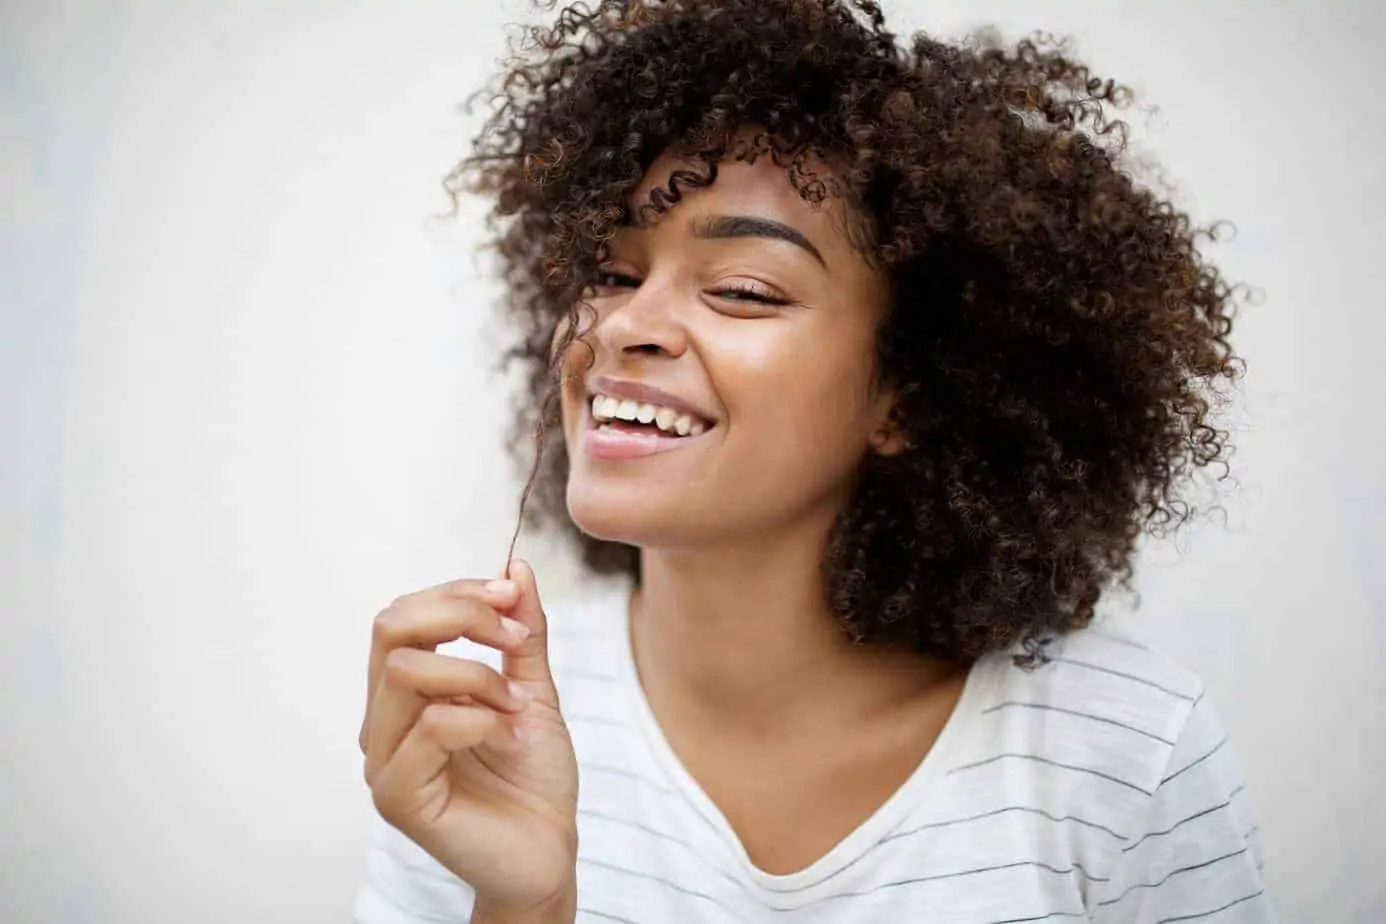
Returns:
(1054, 334)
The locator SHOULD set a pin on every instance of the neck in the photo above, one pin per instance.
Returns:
(744, 636)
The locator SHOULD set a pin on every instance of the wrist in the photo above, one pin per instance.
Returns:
(561, 908)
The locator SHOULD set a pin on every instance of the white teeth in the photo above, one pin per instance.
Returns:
(606, 408)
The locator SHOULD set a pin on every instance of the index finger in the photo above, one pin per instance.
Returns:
(496, 591)
(428, 618)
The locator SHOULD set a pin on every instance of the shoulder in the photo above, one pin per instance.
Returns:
(1101, 717)
(1107, 723)
(1125, 737)
(1101, 657)
(1109, 697)
(1126, 749)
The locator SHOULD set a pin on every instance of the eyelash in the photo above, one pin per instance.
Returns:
(740, 293)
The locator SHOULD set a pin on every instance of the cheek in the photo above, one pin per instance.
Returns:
(804, 387)
(575, 362)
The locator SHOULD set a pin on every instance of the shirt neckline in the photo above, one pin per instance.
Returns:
(921, 783)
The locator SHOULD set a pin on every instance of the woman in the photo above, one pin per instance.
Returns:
(872, 366)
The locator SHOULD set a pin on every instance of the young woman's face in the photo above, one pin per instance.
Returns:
(739, 331)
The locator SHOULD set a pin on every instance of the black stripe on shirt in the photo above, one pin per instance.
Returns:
(604, 916)
(1043, 917)
(1002, 811)
(1170, 875)
(1132, 677)
(593, 813)
(1019, 864)
(892, 837)
(602, 864)
(1075, 868)
(678, 795)
(1011, 703)
(1207, 914)
(1177, 825)
(1053, 763)
(1187, 767)
(698, 857)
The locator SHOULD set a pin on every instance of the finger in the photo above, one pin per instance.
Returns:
(440, 676)
(528, 662)
(440, 730)
(393, 711)
(422, 621)
(427, 620)
(461, 588)
(412, 679)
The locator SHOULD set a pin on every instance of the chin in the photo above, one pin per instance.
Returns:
(614, 513)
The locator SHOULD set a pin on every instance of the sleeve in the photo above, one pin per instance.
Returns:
(404, 885)
(1194, 855)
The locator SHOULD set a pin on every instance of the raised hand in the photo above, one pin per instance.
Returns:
(475, 765)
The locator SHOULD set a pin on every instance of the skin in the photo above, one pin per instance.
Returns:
(792, 387)
(738, 654)
(443, 759)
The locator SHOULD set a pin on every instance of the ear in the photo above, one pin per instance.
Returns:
(889, 440)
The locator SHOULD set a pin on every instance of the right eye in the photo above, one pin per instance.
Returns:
(609, 280)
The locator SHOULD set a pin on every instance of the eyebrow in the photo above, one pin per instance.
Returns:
(722, 227)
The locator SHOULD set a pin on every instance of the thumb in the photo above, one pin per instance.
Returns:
(529, 662)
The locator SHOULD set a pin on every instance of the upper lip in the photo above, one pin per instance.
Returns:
(644, 394)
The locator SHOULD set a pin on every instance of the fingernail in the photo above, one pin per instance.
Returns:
(499, 588)
(515, 628)
(519, 693)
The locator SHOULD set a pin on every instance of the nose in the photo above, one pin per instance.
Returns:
(647, 321)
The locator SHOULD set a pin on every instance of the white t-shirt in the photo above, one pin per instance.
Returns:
(1098, 787)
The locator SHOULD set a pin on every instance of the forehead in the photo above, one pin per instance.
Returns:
(760, 189)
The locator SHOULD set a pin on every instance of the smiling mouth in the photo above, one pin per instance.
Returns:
(625, 429)
(636, 418)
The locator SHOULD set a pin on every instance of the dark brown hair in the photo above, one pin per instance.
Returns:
(1054, 333)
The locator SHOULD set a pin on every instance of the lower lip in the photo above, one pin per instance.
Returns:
(609, 443)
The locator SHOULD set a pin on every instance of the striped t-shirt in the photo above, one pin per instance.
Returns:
(1097, 787)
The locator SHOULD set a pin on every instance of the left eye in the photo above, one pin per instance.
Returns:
(748, 294)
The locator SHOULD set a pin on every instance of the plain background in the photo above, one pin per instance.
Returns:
(246, 399)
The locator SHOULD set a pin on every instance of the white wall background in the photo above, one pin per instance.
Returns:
(244, 401)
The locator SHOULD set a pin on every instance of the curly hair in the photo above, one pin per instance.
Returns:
(1054, 334)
